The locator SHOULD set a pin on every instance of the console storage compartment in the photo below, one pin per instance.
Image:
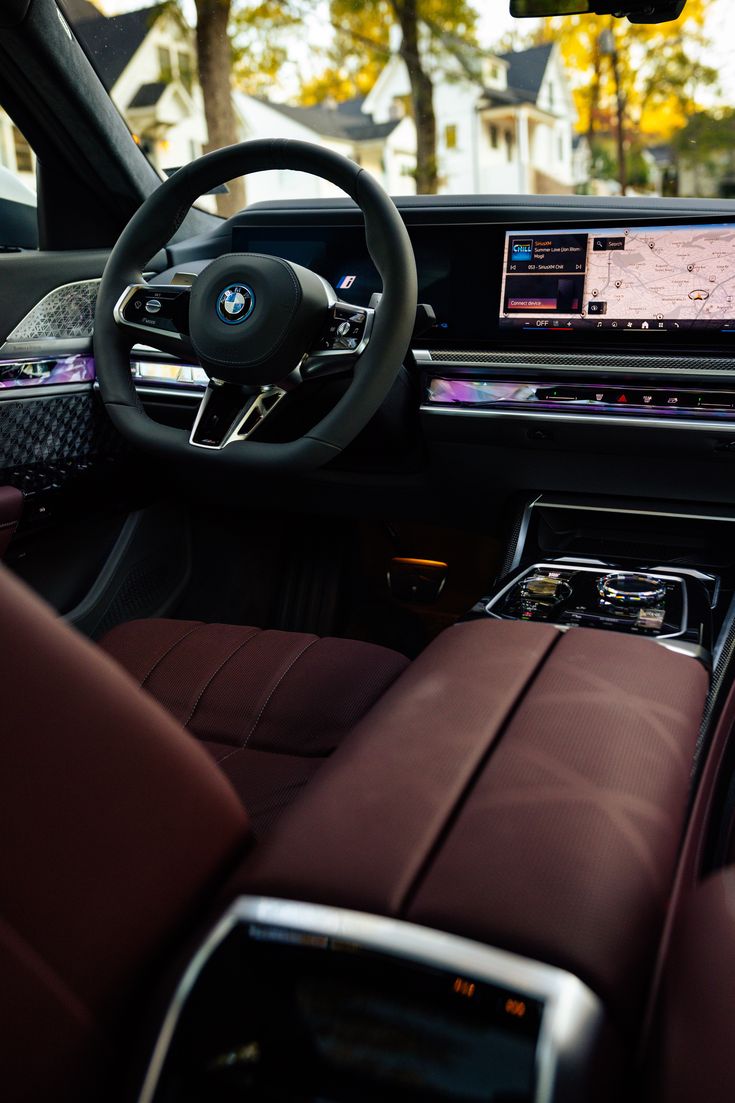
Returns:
(467, 901)
(518, 785)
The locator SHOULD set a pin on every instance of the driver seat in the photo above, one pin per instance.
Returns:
(118, 831)
(268, 706)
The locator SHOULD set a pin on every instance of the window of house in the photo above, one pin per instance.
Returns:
(494, 137)
(186, 69)
(560, 147)
(551, 93)
(164, 62)
(508, 145)
(400, 107)
(450, 136)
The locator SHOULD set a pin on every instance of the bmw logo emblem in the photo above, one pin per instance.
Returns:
(235, 303)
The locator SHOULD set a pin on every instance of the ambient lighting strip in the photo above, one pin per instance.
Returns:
(583, 398)
(46, 372)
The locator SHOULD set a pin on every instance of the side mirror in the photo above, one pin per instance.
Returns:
(637, 11)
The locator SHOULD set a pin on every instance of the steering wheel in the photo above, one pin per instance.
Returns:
(259, 325)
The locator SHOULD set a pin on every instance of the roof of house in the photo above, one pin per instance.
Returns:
(149, 94)
(343, 120)
(526, 69)
(111, 41)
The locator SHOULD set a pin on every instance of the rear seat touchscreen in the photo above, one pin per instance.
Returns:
(642, 278)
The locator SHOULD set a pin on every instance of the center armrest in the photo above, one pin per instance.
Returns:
(521, 786)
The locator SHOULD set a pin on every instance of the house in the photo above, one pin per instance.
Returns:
(509, 127)
(147, 61)
(505, 122)
(386, 148)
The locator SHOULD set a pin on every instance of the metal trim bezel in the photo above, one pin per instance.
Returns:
(573, 1015)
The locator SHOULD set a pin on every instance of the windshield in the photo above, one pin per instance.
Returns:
(431, 96)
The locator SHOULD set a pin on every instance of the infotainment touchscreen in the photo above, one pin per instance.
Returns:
(642, 278)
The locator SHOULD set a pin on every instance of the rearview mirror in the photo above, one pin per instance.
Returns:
(637, 11)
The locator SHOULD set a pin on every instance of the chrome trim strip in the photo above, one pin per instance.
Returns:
(167, 392)
(542, 504)
(572, 1012)
(581, 419)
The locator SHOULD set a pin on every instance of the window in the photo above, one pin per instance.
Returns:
(560, 149)
(450, 136)
(164, 62)
(400, 107)
(23, 153)
(494, 137)
(508, 145)
(186, 70)
(18, 222)
(550, 96)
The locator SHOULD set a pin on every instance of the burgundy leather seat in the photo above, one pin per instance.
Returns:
(269, 706)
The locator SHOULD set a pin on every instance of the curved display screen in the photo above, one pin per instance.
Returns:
(635, 278)
(597, 287)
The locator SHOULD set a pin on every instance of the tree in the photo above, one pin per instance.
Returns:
(660, 73)
(706, 146)
(429, 30)
(214, 53)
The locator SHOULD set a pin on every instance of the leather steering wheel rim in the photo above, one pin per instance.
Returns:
(152, 227)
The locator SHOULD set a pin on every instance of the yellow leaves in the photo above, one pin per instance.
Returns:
(662, 68)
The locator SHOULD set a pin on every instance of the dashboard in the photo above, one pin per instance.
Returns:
(539, 371)
(634, 285)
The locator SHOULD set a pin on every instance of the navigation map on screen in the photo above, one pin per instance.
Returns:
(637, 278)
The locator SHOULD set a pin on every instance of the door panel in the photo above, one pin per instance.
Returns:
(58, 446)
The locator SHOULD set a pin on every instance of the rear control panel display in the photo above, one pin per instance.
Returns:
(647, 279)
(641, 603)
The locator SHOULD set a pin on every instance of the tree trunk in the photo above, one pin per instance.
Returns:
(422, 98)
(214, 55)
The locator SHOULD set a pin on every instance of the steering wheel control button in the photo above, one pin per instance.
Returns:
(625, 589)
(345, 329)
(235, 303)
(165, 309)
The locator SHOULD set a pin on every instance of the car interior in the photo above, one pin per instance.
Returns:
(368, 631)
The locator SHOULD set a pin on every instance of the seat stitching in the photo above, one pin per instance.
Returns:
(224, 663)
(168, 651)
(259, 717)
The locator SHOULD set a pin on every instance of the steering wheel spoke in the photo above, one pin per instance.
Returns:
(228, 413)
(161, 311)
(344, 337)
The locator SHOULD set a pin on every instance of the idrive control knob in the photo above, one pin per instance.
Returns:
(626, 589)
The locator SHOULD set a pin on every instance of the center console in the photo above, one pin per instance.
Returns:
(466, 901)
(673, 609)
